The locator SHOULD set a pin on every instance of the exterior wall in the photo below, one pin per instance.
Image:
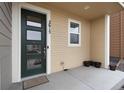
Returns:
(5, 44)
(122, 34)
(97, 46)
(60, 52)
(115, 35)
(72, 56)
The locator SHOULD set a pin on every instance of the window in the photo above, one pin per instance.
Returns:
(74, 33)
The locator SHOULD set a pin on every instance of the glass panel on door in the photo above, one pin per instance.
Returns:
(33, 35)
(33, 63)
(33, 49)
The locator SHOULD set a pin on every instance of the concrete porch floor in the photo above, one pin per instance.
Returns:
(81, 78)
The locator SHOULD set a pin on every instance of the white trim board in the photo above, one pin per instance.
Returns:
(16, 38)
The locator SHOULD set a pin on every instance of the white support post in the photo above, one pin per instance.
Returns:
(107, 40)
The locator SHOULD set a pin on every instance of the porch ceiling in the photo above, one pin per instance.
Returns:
(87, 10)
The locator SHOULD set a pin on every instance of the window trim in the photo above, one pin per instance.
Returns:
(78, 22)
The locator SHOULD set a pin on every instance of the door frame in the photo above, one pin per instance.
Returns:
(16, 39)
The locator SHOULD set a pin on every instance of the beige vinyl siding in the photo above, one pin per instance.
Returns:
(5, 44)
(72, 56)
(60, 52)
(98, 40)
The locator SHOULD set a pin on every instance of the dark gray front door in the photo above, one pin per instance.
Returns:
(33, 43)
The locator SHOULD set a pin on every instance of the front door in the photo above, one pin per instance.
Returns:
(33, 43)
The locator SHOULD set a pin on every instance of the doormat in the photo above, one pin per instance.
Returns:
(34, 82)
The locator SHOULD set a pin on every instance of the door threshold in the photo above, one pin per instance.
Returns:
(31, 77)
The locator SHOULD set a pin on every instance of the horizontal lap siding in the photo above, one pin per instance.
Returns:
(6, 12)
(5, 44)
(115, 35)
(4, 31)
(122, 34)
(97, 38)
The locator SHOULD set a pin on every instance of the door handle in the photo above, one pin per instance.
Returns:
(47, 47)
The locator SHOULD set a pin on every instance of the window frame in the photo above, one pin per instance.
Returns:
(69, 43)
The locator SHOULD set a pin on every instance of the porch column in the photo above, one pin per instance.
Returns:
(107, 40)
